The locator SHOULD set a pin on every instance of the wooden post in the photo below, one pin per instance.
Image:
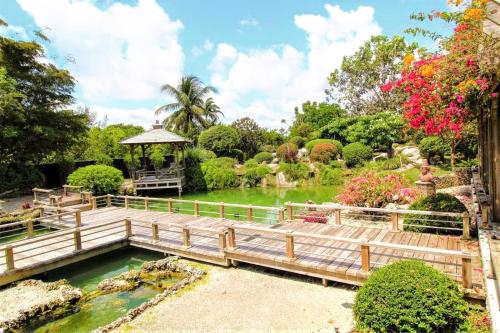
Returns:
(128, 228)
(77, 237)
(41, 211)
(35, 194)
(249, 214)
(78, 218)
(289, 209)
(290, 247)
(231, 238)
(221, 210)
(59, 217)
(146, 203)
(93, 202)
(467, 273)
(395, 221)
(108, 200)
(9, 257)
(485, 215)
(155, 232)
(29, 228)
(338, 221)
(324, 282)
(222, 243)
(186, 238)
(196, 208)
(466, 232)
(365, 257)
(281, 215)
(126, 201)
(170, 206)
(65, 191)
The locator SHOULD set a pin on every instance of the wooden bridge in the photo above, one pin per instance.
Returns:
(345, 244)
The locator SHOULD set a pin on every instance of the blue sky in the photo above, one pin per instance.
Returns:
(265, 57)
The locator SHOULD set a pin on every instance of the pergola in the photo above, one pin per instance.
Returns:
(165, 178)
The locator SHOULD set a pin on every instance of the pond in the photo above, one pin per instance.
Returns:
(104, 309)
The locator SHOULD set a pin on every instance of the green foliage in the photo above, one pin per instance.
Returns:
(251, 163)
(287, 152)
(272, 137)
(131, 164)
(220, 139)
(313, 117)
(298, 141)
(310, 145)
(219, 173)
(409, 296)
(103, 159)
(106, 140)
(324, 152)
(439, 202)
(251, 135)
(392, 163)
(263, 157)
(337, 164)
(329, 175)
(195, 156)
(337, 129)
(98, 179)
(21, 177)
(434, 149)
(254, 175)
(157, 158)
(354, 154)
(294, 171)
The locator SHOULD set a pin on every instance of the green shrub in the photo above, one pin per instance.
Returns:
(287, 152)
(157, 158)
(439, 202)
(433, 148)
(195, 179)
(294, 171)
(218, 174)
(409, 296)
(354, 154)
(103, 159)
(329, 176)
(98, 179)
(392, 163)
(324, 152)
(220, 139)
(237, 154)
(221, 162)
(310, 145)
(251, 163)
(207, 154)
(253, 176)
(20, 177)
(131, 164)
(263, 157)
(298, 140)
(337, 164)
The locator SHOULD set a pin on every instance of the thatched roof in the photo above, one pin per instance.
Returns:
(156, 135)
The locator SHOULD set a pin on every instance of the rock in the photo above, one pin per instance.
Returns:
(412, 153)
(381, 156)
(275, 161)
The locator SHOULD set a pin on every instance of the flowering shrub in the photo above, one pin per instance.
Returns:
(372, 190)
(315, 217)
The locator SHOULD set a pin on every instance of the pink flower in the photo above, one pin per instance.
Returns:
(494, 95)
(386, 87)
(460, 99)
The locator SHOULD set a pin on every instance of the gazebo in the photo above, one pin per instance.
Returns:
(164, 178)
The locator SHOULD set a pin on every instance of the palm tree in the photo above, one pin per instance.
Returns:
(212, 111)
(189, 110)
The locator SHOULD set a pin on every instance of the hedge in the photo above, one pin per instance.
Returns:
(98, 179)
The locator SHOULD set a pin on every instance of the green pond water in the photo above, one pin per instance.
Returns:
(103, 309)
(18, 235)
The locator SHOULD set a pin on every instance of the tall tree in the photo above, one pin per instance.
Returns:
(251, 135)
(357, 84)
(189, 110)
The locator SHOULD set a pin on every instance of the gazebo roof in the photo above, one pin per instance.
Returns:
(156, 135)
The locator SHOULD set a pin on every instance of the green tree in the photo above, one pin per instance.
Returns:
(221, 139)
(251, 135)
(313, 116)
(357, 83)
(190, 109)
(106, 140)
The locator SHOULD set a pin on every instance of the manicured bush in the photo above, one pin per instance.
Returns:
(439, 202)
(298, 140)
(310, 145)
(103, 159)
(263, 157)
(324, 153)
(251, 163)
(294, 171)
(287, 152)
(254, 175)
(219, 173)
(98, 179)
(354, 154)
(409, 296)
(330, 176)
(220, 139)
(433, 148)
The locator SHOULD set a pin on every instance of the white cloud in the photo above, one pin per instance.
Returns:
(208, 45)
(199, 50)
(267, 84)
(13, 31)
(144, 117)
(122, 52)
(250, 22)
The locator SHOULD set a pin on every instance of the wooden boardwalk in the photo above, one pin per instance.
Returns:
(331, 252)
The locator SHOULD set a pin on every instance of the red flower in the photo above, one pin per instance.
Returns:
(386, 87)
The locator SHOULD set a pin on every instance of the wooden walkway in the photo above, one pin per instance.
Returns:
(331, 252)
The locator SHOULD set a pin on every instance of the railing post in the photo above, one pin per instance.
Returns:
(146, 203)
(170, 206)
(249, 213)
(155, 233)
(231, 238)
(221, 210)
(186, 238)
(222, 243)
(281, 215)
(78, 218)
(338, 221)
(196, 208)
(466, 232)
(365, 256)
(108, 200)
(59, 217)
(290, 247)
(128, 228)
(126, 201)
(93, 201)
(29, 228)
(9, 257)
(289, 209)
(77, 237)
(395, 221)
(41, 211)
(467, 272)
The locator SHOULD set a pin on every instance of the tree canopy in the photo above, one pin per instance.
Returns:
(251, 135)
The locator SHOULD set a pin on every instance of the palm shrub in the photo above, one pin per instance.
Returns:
(263, 157)
(354, 154)
(324, 153)
(439, 202)
(287, 152)
(409, 296)
(254, 175)
(98, 179)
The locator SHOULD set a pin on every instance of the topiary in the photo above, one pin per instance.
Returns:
(263, 157)
(254, 175)
(324, 153)
(310, 145)
(287, 152)
(354, 154)
(98, 179)
(298, 140)
(409, 296)
(439, 202)
(329, 176)
(433, 148)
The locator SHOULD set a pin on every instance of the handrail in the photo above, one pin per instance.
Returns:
(179, 226)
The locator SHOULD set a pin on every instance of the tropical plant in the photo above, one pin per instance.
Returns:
(219, 173)
(212, 111)
(221, 139)
(157, 158)
(354, 154)
(98, 179)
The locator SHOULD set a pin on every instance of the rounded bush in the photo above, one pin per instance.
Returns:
(298, 140)
(354, 154)
(433, 148)
(263, 157)
(104, 159)
(207, 154)
(439, 202)
(310, 145)
(409, 296)
(324, 153)
(251, 163)
(218, 175)
(98, 179)
(220, 139)
(287, 152)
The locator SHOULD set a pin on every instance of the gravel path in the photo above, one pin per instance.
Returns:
(251, 299)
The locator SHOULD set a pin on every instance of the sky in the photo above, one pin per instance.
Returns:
(264, 56)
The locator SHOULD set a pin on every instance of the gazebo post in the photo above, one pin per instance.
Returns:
(132, 166)
(143, 156)
(183, 156)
